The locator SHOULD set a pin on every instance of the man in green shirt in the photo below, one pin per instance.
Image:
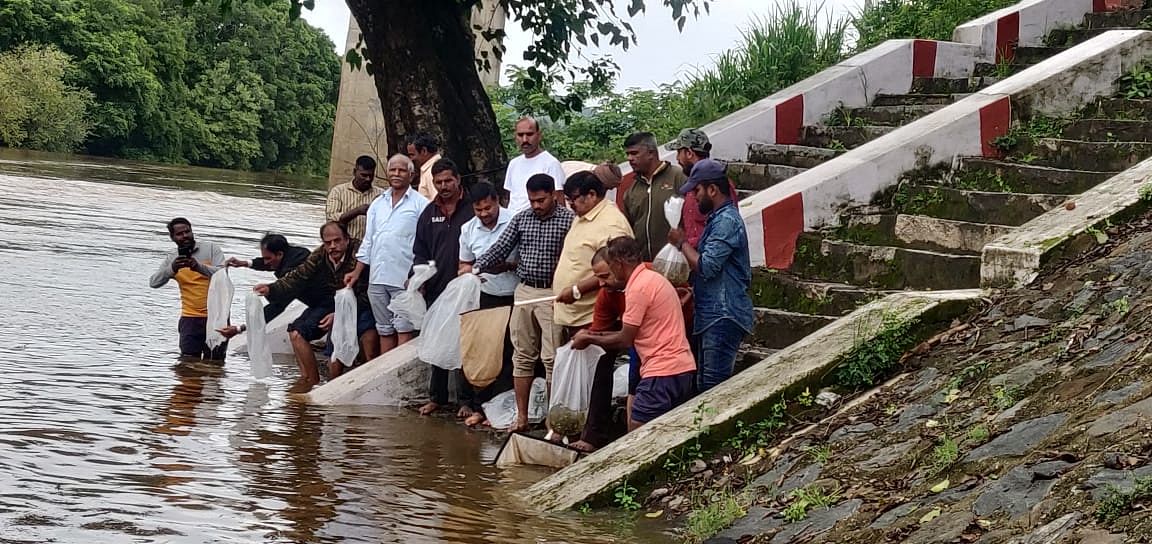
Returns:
(650, 184)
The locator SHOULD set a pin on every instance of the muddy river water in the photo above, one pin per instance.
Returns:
(104, 438)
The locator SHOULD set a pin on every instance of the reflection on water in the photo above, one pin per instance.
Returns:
(106, 439)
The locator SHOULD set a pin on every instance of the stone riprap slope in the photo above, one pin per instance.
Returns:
(1029, 422)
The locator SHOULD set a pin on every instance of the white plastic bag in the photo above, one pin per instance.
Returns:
(572, 377)
(501, 410)
(259, 353)
(345, 341)
(441, 332)
(220, 292)
(410, 304)
(620, 382)
(670, 262)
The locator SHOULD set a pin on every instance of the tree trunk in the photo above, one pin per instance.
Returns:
(425, 71)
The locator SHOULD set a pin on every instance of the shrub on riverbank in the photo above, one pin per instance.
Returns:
(38, 110)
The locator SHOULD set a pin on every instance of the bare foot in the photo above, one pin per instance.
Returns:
(302, 385)
(583, 446)
(429, 409)
(477, 418)
(464, 412)
(520, 425)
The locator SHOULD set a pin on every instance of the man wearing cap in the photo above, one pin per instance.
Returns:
(691, 147)
(722, 274)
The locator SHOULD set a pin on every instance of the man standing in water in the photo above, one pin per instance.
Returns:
(533, 160)
(538, 235)
(318, 279)
(348, 202)
(438, 240)
(191, 265)
(387, 249)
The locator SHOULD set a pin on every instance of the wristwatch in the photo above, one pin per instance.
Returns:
(576, 294)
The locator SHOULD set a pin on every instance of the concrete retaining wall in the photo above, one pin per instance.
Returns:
(397, 378)
(741, 397)
(1014, 259)
(1024, 24)
(1059, 85)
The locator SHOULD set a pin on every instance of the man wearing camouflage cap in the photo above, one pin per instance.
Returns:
(691, 147)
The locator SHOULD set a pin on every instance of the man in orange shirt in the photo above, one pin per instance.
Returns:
(192, 266)
(654, 324)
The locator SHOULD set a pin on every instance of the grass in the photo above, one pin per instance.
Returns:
(1146, 192)
(1137, 83)
(1005, 397)
(978, 434)
(1117, 503)
(808, 498)
(879, 346)
(624, 497)
(819, 454)
(1120, 306)
(944, 455)
(720, 510)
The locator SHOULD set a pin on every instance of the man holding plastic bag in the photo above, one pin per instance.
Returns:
(319, 278)
(438, 239)
(654, 324)
(192, 265)
(645, 190)
(692, 146)
(723, 308)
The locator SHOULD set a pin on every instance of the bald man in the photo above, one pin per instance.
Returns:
(387, 249)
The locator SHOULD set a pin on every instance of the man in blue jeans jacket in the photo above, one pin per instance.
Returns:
(721, 274)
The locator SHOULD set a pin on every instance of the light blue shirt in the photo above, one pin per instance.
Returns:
(388, 236)
(475, 239)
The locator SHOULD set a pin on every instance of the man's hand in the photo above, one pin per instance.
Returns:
(350, 279)
(261, 289)
(676, 237)
(237, 263)
(566, 297)
(229, 331)
(582, 339)
(326, 321)
(685, 294)
(182, 262)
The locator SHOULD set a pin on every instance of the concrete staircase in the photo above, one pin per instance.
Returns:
(928, 233)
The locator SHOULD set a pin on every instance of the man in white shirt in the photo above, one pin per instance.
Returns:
(533, 160)
(387, 249)
(499, 282)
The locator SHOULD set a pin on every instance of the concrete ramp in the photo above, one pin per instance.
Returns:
(397, 378)
(745, 396)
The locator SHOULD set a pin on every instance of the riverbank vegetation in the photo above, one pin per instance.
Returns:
(37, 108)
(791, 42)
(177, 83)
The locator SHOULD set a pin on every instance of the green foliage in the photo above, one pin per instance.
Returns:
(751, 436)
(190, 84)
(624, 497)
(789, 44)
(1137, 83)
(1117, 503)
(717, 513)
(879, 347)
(1145, 192)
(978, 434)
(38, 110)
(679, 461)
(807, 498)
(928, 19)
(1005, 397)
(967, 374)
(944, 455)
(819, 454)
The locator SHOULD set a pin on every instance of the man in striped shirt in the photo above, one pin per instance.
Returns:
(348, 202)
(538, 234)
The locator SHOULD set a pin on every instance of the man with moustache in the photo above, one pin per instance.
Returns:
(438, 240)
(348, 202)
(691, 147)
(650, 184)
(722, 274)
(191, 265)
(425, 151)
(533, 160)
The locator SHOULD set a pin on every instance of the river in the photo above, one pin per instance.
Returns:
(105, 438)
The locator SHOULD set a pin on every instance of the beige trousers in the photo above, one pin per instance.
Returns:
(534, 336)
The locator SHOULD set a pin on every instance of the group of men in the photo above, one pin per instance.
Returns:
(571, 253)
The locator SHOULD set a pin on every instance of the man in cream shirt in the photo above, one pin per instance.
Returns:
(533, 160)
(424, 151)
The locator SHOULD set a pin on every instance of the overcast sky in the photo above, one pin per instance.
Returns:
(662, 55)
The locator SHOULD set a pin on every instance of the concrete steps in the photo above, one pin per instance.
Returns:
(920, 232)
(1087, 155)
(981, 174)
(841, 137)
(917, 99)
(778, 329)
(1117, 19)
(1126, 130)
(757, 177)
(892, 116)
(938, 85)
(884, 267)
(797, 156)
(783, 290)
(1121, 108)
(999, 208)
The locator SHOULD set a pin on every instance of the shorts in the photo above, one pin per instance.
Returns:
(387, 323)
(657, 395)
(365, 321)
(194, 340)
(308, 324)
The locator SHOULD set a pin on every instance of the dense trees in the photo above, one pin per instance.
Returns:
(37, 109)
(189, 84)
